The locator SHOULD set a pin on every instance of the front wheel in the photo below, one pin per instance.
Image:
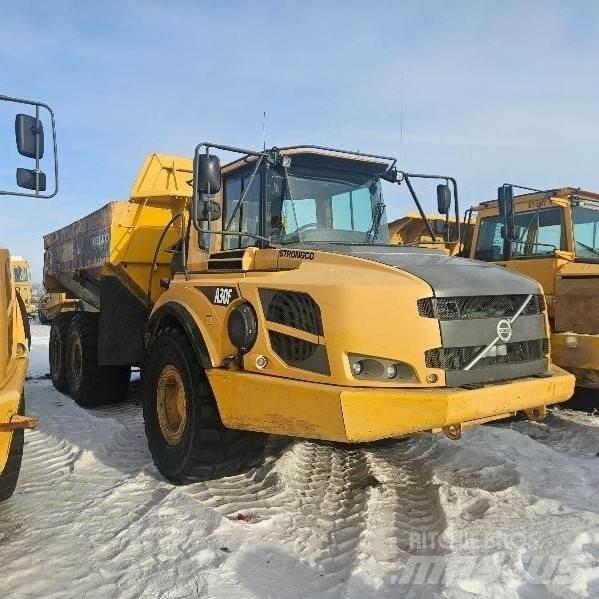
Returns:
(186, 436)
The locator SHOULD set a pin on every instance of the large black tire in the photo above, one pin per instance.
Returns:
(57, 352)
(42, 318)
(204, 449)
(25, 317)
(10, 475)
(91, 385)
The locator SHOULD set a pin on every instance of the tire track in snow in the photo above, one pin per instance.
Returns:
(47, 462)
(406, 515)
(563, 434)
(328, 487)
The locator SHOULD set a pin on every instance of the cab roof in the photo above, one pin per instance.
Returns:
(562, 193)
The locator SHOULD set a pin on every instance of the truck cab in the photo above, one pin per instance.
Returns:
(22, 279)
(557, 244)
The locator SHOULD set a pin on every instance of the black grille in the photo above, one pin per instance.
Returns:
(300, 353)
(457, 358)
(294, 309)
(226, 260)
(484, 306)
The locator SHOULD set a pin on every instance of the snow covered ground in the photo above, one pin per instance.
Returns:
(509, 511)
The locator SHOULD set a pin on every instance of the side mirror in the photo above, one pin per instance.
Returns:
(207, 172)
(208, 210)
(443, 198)
(29, 133)
(505, 201)
(26, 178)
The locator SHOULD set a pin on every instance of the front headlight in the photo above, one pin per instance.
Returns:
(370, 368)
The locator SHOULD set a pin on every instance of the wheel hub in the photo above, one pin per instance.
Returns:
(171, 404)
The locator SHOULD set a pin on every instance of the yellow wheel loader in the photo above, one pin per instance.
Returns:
(263, 296)
(553, 237)
(15, 293)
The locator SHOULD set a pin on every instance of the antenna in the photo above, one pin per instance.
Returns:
(264, 130)
(401, 115)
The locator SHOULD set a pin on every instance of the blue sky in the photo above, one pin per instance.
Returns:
(488, 91)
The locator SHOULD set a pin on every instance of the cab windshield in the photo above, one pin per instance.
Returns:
(586, 232)
(540, 233)
(316, 205)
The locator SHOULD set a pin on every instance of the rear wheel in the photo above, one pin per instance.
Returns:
(89, 384)
(186, 436)
(42, 318)
(10, 473)
(57, 351)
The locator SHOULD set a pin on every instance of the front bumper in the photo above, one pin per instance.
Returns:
(269, 404)
(578, 354)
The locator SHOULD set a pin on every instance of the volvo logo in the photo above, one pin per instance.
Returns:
(504, 330)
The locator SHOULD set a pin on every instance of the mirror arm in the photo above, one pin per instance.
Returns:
(458, 225)
(418, 205)
(54, 146)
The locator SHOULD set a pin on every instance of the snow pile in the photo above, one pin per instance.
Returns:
(509, 511)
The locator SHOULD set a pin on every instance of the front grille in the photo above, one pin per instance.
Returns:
(484, 306)
(294, 309)
(299, 352)
(457, 358)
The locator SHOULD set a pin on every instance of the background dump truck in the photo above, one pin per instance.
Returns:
(555, 240)
(50, 305)
(14, 323)
(264, 297)
(22, 278)
(411, 230)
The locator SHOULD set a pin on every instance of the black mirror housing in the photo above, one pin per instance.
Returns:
(26, 179)
(209, 210)
(29, 134)
(443, 198)
(505, 202)
(207, 172)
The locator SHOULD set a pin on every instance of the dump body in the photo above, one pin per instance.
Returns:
(105, 258)
(411, 230)
(559, 247)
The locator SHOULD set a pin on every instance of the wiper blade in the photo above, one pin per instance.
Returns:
(588, 247)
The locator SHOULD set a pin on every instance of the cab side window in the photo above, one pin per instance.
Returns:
(248, 215)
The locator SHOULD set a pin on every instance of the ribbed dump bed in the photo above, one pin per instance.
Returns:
(115, 245)
(81, 245)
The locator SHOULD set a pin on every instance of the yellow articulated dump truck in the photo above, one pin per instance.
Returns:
(15, 288)
(22, 278)
(411, 230)
(553, 237)
(264, 297)
(50, 305)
